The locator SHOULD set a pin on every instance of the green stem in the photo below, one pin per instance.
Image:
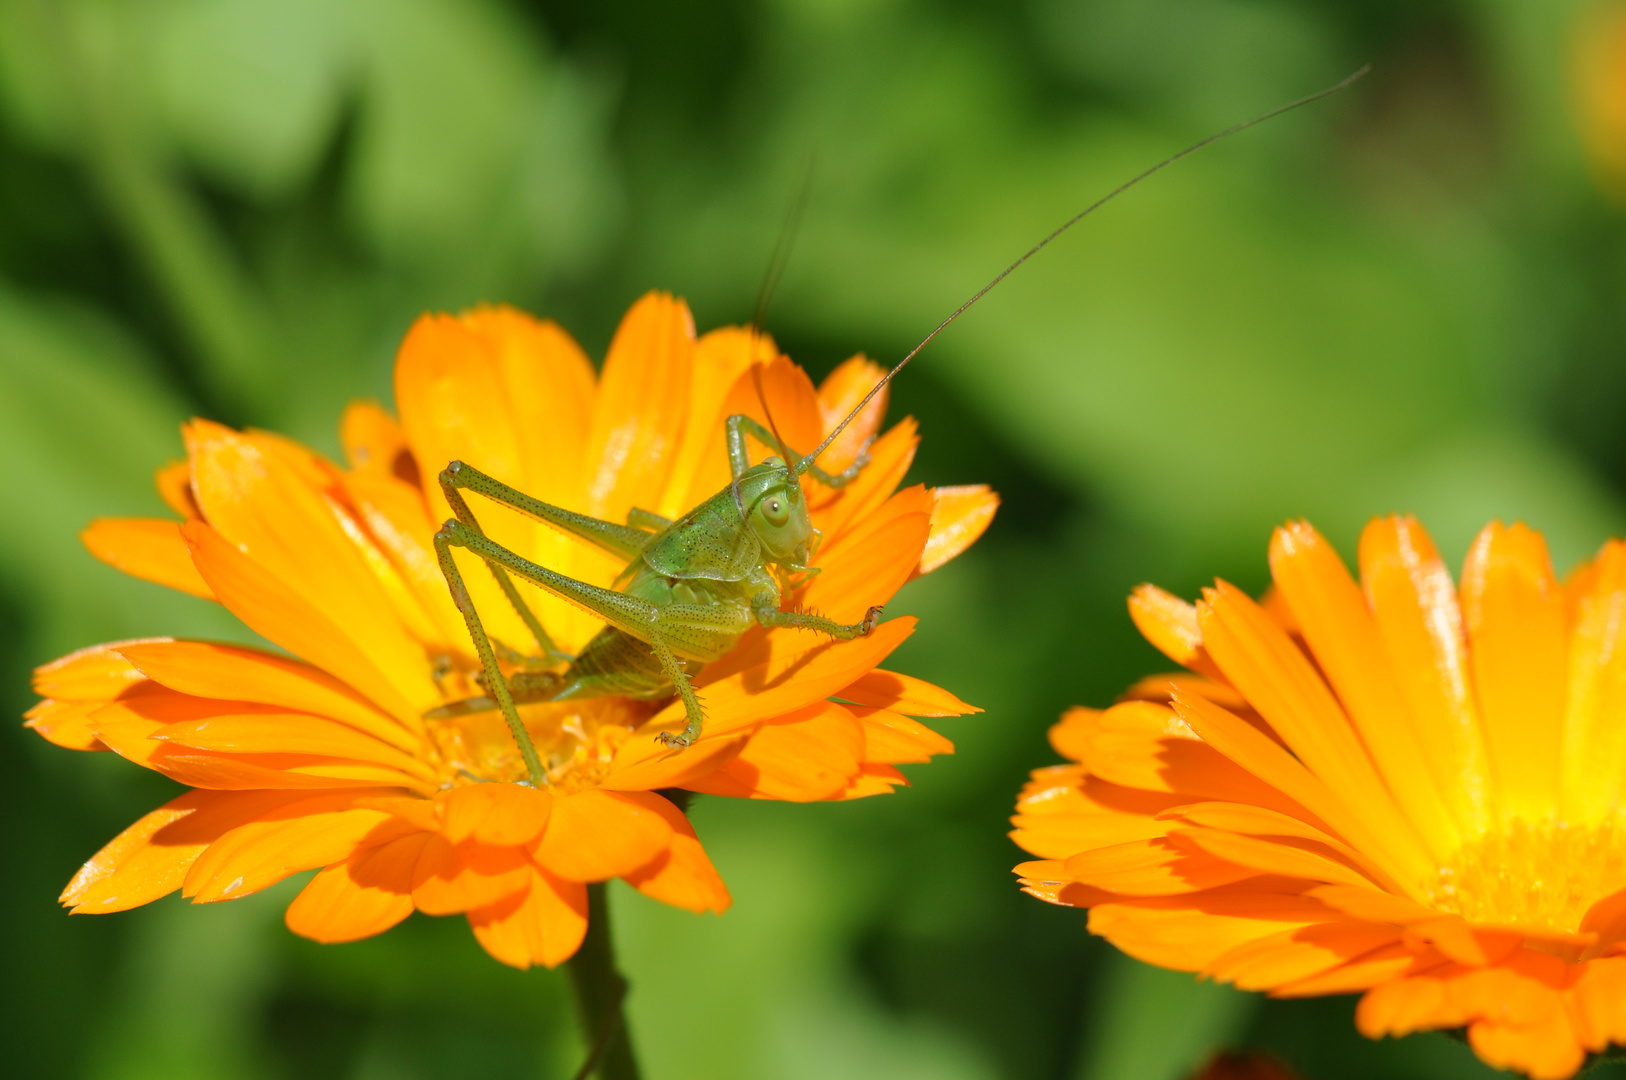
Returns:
(600, 994)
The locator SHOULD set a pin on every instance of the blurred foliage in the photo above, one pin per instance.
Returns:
(1409, 298)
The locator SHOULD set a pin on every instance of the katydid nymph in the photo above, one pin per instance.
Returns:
(692, 586)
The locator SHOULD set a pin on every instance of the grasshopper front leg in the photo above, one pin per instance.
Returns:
(766, 609)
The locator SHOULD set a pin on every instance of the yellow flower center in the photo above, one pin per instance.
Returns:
(1541, 878)
(576, 739)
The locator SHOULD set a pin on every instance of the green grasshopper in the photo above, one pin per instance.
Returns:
(691, 587)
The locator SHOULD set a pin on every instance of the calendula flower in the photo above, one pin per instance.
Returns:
(325, 759)
(1400, 786)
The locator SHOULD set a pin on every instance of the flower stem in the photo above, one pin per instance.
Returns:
(600, 993)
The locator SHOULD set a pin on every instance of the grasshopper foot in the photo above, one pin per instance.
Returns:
(680, 741)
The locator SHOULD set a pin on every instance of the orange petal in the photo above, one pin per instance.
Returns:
(771, 675)
(903, 694)
(252, 594)
(543, 925)
(97, 673)
(642, 404)
(1415, 606)
(811, 757)
(839, 394)
(1142, 745)
(872, 778)
(1161, 688)
(1074, 734)
(653, 766)
(1287, 858)
(1258, 821)
(455, 406)
(363, 896)
(397, 521)
(700, 466)
(1513, 610)
(1600, 1003)
(231, 672)
(128, 727)
(1063, 812)
(1244, 745)
(1548, 1050)
(1171, 625)
(1523, 990)
(1332, 615)
(65, 723)
(531, 435)
(150, 858)
(1152, 868)
(1293, 955)
(1455, 938)
(890, 458)
(684, 876)
(872, 560)
(1372, 905)
(374, 443)
(148, 548)
(174, 483)
(248, 729)
(260, 504)
(1363, 973)
(1064, 893)
(960, 515)
(893, 738)
(1594, 740)
(1404, 1006)
(281, 841)
(455, 878)
(1261, 661)
(550, 387)
(500, 814)
(1190, 932)
(597, 835)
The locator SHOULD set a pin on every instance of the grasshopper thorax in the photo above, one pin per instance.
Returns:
(773, 508)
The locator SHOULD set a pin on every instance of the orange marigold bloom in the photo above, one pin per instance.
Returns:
(1398, 786)
(325, 760)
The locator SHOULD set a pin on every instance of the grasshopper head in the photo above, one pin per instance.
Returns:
(771, 500)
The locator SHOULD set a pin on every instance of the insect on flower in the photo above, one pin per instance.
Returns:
(691, 587)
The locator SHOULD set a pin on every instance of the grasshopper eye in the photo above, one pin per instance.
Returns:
(775, 511)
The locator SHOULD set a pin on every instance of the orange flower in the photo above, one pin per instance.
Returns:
(1400, 787)
(327, 760)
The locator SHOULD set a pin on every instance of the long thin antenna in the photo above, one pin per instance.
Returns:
(1068, 224)
(782, 246)
(770, 282)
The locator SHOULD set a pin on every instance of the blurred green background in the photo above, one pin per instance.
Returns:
(1412, 297)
